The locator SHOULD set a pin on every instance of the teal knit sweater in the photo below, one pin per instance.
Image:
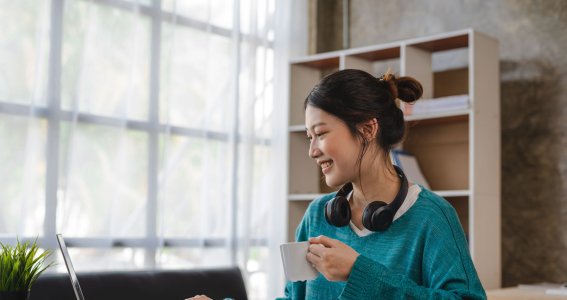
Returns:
(423, 255)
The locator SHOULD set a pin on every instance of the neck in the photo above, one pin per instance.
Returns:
(377, 181)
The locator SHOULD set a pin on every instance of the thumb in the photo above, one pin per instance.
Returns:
(323, 240)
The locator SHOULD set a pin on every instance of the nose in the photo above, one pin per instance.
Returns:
(314, 150)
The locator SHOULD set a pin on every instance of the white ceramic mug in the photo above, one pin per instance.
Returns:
(294, 258)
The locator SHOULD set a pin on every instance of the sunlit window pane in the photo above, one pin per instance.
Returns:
(141, 2)
(261, 22)
(99, 259)
(102, 182)
(24, 48)
(257, 89)
(258, 277)
(217, 12)
(105, 60)
(263, 92)
(196, 79)
(194, 182)
(22, 175)
(255, 163)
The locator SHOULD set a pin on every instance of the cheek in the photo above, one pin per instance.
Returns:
(349, 157)
(345, 157)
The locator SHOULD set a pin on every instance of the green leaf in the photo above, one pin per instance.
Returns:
(20, 266)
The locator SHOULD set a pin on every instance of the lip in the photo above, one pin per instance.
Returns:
(327, 169)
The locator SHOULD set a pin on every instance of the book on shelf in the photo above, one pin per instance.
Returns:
(441, 104)
(408, 163)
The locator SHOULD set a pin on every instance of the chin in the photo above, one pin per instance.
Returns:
(334, 183)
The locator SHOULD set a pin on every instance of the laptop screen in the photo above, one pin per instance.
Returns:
(70, 270)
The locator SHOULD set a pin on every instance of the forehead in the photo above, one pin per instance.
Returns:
(315, 116)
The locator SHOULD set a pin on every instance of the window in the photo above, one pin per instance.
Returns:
(141, 130)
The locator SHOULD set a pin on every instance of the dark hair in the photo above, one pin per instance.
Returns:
(355, 97)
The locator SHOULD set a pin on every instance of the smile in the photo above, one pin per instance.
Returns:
(326, 166)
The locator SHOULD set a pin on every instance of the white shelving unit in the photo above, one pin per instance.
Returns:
(458, 151)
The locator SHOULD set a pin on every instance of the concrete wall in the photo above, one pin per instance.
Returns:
(533, 51)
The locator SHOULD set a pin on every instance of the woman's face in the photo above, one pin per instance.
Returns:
(332, 146)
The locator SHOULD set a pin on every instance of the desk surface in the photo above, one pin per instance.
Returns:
(523, 293)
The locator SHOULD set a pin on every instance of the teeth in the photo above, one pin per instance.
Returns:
(326, 164)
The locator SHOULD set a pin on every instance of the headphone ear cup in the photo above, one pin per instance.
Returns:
(377, 216)
(337, 211)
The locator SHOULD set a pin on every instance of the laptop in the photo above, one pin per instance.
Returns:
(70, 269)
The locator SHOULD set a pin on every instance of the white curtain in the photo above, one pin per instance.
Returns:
(150, 133)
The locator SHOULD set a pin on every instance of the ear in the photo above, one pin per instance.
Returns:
(369, 129)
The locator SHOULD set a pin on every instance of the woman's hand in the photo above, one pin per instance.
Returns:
(199, 297)
(334, 260)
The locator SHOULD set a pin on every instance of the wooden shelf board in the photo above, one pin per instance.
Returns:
(303, 197)
(453, 193)
(448, 43)
(380, 54)
(297, 128)
(320, 61)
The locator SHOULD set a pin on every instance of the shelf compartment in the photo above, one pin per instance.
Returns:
(295, 210)
(461, 205)
(442, 151)
(373, 60)
(306, 178)
(303, 77)
(451, 82)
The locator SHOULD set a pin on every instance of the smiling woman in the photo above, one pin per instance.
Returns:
(383, 237)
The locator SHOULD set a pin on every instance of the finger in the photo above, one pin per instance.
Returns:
(313, 260)
(323, 240)
(317, 249)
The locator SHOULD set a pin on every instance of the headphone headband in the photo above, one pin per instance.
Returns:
(377, 216)
(402, 192)
(398, 200)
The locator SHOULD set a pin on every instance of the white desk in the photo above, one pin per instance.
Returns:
(523, 293)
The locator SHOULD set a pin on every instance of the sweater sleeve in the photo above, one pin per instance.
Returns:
(372, 280)
(446, 267)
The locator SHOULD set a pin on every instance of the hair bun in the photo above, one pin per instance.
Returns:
(404, 88)
(390, 80)
(408, 89)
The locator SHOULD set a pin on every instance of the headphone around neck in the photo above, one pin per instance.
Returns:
(377, 216)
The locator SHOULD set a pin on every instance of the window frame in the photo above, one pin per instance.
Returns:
(54, 115)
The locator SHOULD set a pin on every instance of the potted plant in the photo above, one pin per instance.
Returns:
(20, 266)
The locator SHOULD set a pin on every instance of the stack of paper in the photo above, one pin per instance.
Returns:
(442, 104)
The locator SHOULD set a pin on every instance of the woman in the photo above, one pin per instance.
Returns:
(408, 245)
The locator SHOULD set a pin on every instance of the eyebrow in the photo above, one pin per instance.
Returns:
(315, 125)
